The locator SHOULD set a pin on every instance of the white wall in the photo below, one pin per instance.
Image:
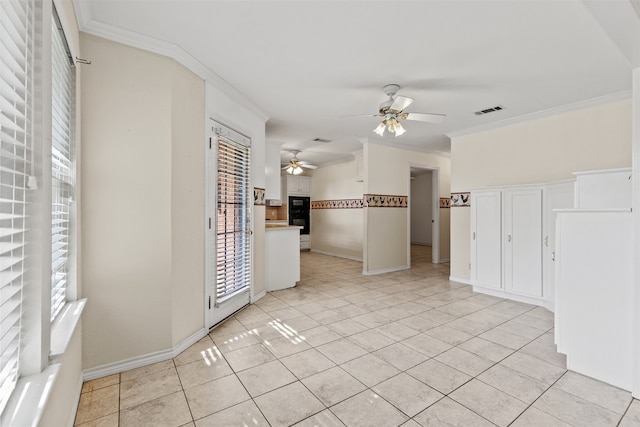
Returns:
(421, 206)
(536, 151)
(337, 231)
(386, 229)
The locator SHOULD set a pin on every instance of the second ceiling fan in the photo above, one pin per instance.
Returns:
(295, 165)
(392, 112)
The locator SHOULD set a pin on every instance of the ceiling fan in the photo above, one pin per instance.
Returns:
(392, 111)
(295, 165)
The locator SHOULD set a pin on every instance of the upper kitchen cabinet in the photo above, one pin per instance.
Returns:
(272, 171)
(296, 185)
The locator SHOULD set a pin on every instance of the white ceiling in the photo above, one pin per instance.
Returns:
(306, 63)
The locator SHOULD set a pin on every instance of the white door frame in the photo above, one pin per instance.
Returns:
(435, 206)
(212, 314)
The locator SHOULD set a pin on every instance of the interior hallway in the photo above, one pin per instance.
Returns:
(406, 348)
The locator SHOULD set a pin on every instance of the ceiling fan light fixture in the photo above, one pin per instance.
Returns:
(399, 129)
(380, 129)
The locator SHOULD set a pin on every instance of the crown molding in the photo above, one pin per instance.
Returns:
(150, 44)
(544, 113)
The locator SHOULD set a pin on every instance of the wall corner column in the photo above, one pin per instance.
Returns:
(635, 150)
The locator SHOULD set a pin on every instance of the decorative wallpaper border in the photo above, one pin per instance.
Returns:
(338, 204)
(460, 199)
(384, 201)
(445, 202)
(258, 196)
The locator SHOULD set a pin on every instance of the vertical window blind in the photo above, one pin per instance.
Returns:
(62, 170)
(16, 104)
(233, 240)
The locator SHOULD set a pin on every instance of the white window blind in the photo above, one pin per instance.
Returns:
(16, 59)
(233, 240)
(62, 170)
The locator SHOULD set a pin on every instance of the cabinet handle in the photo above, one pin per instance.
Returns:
(509, 237)
(474, 235)
(553, 256)
(546, 241)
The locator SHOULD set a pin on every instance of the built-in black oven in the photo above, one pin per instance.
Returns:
(299, 212)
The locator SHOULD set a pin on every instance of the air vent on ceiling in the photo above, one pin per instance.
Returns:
(324, 141)
(489, 110)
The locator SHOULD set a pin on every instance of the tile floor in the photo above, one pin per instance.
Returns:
(407, 348)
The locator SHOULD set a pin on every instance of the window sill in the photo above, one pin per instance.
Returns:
(29, 399)
(64, 326)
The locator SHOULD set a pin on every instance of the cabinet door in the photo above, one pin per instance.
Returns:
(304, 184)
(522, 240)
(485, 239)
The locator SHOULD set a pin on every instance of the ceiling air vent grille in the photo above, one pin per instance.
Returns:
(324, 141)
(489, 110)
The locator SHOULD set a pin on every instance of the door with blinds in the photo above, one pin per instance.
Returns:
(229, 216)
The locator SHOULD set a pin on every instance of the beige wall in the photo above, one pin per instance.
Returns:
(187, 213)
(536, 151)
(139, 111)
(387, 172)
(337, 231)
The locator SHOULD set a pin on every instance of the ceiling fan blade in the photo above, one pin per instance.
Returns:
(425, 117)
(361, 115)
(307, 166)
(400, 103)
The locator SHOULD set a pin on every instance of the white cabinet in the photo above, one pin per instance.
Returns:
(272, 171)
(282, 261)
(305, 241)
(522, 241)
(295, 185)
(486, 236)
(506, 242)
(603, 189)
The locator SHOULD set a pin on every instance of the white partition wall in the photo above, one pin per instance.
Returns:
(594, 294)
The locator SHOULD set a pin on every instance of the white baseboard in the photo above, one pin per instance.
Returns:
(258, 297)
(460, 280)
(442, 260)
(385, 270)
(337, 255)
(509, 296)
(144, 360)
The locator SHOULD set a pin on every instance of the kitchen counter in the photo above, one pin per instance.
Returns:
(281, 226)
(283, 255)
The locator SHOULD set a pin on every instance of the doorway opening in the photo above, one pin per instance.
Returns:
(423, 224)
